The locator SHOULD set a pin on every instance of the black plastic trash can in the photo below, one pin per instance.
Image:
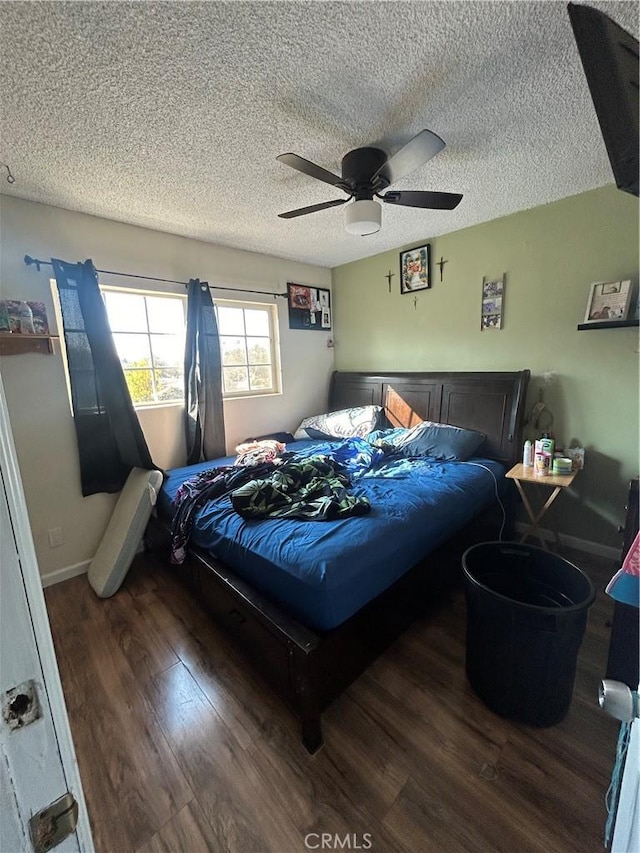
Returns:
(526, 616)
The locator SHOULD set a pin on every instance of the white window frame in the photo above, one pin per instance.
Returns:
(153, 294)
(274, 346)
(274, 341)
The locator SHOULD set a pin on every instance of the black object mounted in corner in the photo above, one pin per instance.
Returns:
(609, 57)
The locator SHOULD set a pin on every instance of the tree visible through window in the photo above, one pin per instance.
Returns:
(247, 344)
(148, 332)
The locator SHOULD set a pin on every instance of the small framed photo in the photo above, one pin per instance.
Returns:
(415, 269)
(608, 300)
(492, 299)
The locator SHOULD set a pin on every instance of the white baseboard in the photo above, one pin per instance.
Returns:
(576, 542)
(65, 573)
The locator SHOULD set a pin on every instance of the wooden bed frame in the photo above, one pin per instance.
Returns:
(308, 668)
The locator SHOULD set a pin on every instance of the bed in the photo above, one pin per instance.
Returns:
(313, 604)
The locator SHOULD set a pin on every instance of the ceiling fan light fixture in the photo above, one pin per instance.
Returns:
(363, 217)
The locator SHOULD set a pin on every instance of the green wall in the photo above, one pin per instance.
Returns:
(551, 255)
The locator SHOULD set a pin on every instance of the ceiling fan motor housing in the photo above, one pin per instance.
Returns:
(368, 171)
(358, 167)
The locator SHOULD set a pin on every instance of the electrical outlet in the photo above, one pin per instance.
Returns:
(56, 537)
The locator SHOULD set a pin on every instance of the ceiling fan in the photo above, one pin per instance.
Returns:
(366, 172)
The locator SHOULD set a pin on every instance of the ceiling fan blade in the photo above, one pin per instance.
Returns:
(436, 201)
(311, 169)
(302, 211)
(417, 151)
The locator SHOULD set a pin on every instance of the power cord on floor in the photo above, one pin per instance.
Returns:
(498, 499)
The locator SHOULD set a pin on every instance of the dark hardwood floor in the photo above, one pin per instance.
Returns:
(182, 748)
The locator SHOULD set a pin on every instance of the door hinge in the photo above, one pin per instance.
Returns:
(54, 823)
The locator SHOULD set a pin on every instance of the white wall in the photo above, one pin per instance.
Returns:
(35, 384)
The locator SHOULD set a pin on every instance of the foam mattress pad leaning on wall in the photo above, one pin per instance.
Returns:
(117, 549)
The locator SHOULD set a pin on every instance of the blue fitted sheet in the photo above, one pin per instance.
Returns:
(323, 572)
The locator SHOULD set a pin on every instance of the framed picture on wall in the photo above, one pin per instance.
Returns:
(309, 307)
(20, 317)
(492, 298)
(415, 269)
(608, 301)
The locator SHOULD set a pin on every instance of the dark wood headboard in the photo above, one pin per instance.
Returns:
(492, 403)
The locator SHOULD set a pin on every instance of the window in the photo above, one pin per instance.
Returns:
(248, 347)
(148, 331)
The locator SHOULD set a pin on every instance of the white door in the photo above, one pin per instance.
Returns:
(37, 759)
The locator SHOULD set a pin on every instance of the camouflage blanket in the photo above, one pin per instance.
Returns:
(313, 489)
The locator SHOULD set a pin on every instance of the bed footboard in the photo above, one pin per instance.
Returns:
(284, 651)
(309, 670)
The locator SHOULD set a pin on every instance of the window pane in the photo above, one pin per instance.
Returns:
(165, 314)
(168, 350)
(230, 321)
(133, 350)
(248, 347)
(140, 385)
(260, 378)
(257, 322)
(145, 325)
(126, 312)
(235, 379)
(258, 349)
(169, 385)
(233, 350)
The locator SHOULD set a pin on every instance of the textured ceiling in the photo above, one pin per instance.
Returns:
(170, 115)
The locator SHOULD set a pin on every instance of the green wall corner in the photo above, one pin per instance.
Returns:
(588, 379)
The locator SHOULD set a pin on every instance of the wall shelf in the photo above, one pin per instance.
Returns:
(15, 344)
(608, 324)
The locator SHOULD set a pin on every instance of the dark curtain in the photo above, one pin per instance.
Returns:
(202, 377)
(110, 440)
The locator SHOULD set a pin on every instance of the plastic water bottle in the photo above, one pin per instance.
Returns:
(26, 319)
(527, 457)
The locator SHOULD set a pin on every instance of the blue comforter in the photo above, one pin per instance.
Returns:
(323, 573)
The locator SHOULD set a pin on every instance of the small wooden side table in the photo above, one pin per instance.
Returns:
(557, 482)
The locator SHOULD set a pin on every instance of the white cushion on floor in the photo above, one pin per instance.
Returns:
(124, 532)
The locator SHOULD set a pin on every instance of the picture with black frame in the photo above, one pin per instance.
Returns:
(415, 269)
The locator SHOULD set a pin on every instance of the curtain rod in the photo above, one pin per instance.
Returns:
(29, 261)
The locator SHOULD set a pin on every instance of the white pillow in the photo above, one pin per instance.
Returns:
(345, 423)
